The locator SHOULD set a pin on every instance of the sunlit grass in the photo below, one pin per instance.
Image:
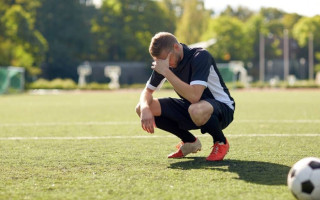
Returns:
(123, 166)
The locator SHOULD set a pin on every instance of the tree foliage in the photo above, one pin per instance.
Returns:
(123, 29)
(289, 20)
(57, 35)
(193, 21)
(254, 26)
(240, 12)
(63, 24)
(272, 14)
(21, 44)
(232, 41)
(306, 26)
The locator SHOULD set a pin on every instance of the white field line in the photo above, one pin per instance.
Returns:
(280, 121)
(107, 123)
(153, 137)
(71, 123)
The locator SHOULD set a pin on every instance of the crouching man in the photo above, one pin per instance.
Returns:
(205, 102)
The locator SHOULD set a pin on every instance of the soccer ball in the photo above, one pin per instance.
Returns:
(304, 179)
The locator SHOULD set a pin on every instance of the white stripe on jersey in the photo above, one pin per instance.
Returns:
(216, 88)
(199, 83)
(155, 88)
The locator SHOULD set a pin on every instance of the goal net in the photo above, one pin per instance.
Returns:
(11, 80)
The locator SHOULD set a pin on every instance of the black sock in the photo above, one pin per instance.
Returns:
(173, 127)
(213, 127)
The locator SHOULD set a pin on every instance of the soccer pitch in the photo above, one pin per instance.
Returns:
(90, 146)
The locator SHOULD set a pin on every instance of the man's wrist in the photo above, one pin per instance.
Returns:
(166, 71)
(145, 107)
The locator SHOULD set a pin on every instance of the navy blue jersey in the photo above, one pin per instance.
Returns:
(198, 67)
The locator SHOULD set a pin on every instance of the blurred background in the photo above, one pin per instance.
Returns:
(103, 44)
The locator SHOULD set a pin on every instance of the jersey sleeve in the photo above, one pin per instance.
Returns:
(155, 81)
(200, 68)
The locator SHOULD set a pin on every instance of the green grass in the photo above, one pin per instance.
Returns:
(129, 167)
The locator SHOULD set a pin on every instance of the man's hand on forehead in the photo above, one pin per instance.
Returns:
(160, 65)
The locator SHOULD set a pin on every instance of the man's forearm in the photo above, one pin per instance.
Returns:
(189, 92)
(146, 115)
(145, 98)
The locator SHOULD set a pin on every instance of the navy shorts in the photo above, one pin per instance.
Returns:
(177, 110)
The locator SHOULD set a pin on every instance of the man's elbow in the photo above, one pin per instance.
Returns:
(196, 93)
(194, 99)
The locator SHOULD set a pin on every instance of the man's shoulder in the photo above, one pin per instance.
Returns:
(200, 52)
(201, 55)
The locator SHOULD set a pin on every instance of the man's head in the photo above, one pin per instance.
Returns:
(163, 44)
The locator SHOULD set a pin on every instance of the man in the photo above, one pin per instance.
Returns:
(205, 102)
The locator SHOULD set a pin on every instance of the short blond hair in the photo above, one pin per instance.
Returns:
(161, 41)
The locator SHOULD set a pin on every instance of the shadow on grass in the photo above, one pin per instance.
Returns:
(258, 172)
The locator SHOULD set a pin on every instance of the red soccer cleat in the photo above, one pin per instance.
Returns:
(186, 148)
(218, 152)
(177, 154)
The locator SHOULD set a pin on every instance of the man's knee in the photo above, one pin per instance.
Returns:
(196, 114)
(200, 113)
(138, 111)
(194, 110)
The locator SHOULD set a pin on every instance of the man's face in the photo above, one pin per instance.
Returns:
(174, 57)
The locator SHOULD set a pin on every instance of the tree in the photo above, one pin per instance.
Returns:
(289, 20)
(270, 14)
(232, 41)
(254, 26)
(123, 29)
(303, 29)
(273, 20)
(270, 22)
(21, 44)
(241, 13)
(64, 25)
(193, 22)
(173, 8)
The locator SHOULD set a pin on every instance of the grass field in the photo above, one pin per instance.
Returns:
(91, 146)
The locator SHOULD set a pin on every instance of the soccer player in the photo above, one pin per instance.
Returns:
(205, 102)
